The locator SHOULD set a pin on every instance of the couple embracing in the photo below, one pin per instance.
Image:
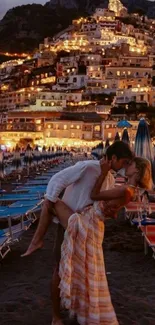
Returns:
(79, 279)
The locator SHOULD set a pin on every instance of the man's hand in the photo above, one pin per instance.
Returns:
(105, 165)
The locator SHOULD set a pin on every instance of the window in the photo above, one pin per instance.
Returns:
(72, 126)
(109, 135)
(74, 79)
(38, 121)
(118, 73)
(78, 127)
(65, 127)
(107, 126)
(97, 128)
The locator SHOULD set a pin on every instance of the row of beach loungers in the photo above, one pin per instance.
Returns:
(22, 206)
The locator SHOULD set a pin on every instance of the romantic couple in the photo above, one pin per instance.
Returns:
(79, 280)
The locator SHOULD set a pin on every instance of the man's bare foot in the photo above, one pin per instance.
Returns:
(57, 321)
(32, 248)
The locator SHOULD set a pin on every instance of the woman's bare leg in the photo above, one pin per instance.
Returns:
(63, 213)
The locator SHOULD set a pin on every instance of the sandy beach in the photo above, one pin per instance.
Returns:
(25, 282)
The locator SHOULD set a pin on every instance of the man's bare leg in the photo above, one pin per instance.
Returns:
(44, 222)
(55, 291)
(56, 297)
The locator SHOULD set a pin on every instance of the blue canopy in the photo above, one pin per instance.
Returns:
(124, 124)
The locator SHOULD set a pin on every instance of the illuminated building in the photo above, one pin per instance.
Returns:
(116, 6)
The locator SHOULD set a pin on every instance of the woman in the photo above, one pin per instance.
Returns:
(83, 286)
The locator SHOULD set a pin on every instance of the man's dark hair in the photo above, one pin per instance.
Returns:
(120, 149)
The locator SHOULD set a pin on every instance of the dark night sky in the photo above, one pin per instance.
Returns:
(8, 4)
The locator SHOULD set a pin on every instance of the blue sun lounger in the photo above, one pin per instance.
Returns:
(4, 246)
(143, 222)
(13, 233)
(36, 183)
(19, 197)
(31, 189)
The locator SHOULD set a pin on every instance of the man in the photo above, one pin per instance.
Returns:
(78, 182)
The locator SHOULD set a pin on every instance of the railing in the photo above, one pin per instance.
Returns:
(22, 127)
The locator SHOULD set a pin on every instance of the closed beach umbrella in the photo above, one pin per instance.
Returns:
(125, 136)
(1, 163)
(107, 144)
(16, 162)
(44, 154)
(28, 158)
(117, 137)
(97, 152)
(36, 155)
(143, 144)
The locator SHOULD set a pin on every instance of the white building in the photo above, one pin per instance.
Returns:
(125, 96)
(71, 82)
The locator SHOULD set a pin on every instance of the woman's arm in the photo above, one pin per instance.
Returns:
(115, 193)
(107, 195)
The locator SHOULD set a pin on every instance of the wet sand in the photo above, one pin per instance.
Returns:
(25, 282)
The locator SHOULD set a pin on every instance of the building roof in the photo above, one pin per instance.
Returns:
(85, 117)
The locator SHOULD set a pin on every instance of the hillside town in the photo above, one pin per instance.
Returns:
(75, 88)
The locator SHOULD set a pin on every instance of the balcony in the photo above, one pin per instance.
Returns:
(24, 127)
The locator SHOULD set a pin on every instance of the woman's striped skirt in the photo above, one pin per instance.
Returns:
(83, 285)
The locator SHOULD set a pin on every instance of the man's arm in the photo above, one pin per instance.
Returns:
(63, 179)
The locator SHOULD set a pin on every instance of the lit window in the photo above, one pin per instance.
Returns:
(107, 126)
(97, 128)
(109, 135)
(78, 127)
(32, 83)
(65, 127)
(38, 121)
(129, 73)
(118, 73)
(105, 86)
(49, 126)
(72, 126)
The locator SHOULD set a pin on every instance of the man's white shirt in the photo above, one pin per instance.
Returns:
(78, 182)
